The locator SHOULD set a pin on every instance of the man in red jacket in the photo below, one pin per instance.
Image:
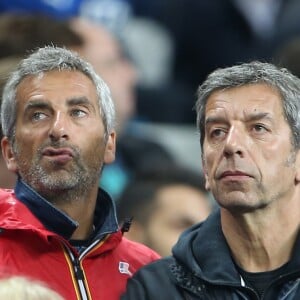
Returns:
(57, 226)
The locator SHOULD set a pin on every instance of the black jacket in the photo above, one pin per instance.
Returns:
(202, 268)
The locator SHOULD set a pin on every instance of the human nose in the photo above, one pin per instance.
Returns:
(58, 127)
(234, 143)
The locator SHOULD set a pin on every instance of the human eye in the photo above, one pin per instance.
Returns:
(38, 116)
(259, 128)
(78, 113)
(217, 133)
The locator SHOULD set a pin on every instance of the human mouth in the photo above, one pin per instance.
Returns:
(234, 175)
(58, 155)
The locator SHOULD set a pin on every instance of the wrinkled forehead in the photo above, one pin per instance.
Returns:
(247, 98)
(56, 87)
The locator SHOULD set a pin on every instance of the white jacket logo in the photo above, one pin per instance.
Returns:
(124, 268)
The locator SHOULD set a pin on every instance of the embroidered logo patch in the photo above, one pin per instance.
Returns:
(124, 268)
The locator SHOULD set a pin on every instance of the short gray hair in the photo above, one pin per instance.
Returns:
(254, 72)
(48, 59)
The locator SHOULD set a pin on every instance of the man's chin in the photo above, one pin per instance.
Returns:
(56, 183)
(242, 208)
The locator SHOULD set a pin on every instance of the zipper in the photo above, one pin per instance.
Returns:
(80, 279)
(75, 262)
(78, 270)
(78, 274)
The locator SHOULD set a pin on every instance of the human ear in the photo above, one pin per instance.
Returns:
(8, 155)
(110, 148)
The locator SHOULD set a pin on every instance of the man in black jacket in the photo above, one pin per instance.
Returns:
(249, 121)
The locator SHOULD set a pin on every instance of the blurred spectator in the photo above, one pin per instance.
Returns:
(148, 42)
(22, 33)
(151, 48)
(288, 56)
(163, 203)
(21, 288)
(113, 14)
(219, 33)
(205, 35)
(52, 8)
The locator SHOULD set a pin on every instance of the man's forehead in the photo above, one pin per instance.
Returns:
(254, 95)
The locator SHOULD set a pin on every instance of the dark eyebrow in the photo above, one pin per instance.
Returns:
(81, 101)
(41, 104)
(215, 119)
(78, 101)
(45, 104)
(258, 116)
(249, 117)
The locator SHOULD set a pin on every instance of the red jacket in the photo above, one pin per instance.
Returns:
(99, 272)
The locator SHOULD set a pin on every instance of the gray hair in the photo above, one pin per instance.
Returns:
(254, 72)
(48, 59)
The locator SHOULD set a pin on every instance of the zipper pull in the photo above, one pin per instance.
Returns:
(78, 270)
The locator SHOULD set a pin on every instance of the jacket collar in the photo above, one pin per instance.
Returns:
(203, 250)
(57, 221)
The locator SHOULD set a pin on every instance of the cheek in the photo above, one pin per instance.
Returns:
(23, 149)
(93, 149)
(24, 155)
(28, 140)
(208, 162)
(273, 157)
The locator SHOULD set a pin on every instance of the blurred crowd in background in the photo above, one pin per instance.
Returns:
(175, 43)
(153, 54)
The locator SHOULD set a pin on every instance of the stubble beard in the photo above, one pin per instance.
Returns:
(61, 185)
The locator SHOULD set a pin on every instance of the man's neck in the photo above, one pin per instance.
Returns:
(262, 240)
(81, 210)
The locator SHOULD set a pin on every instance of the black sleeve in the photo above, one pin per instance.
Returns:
(153, 282)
